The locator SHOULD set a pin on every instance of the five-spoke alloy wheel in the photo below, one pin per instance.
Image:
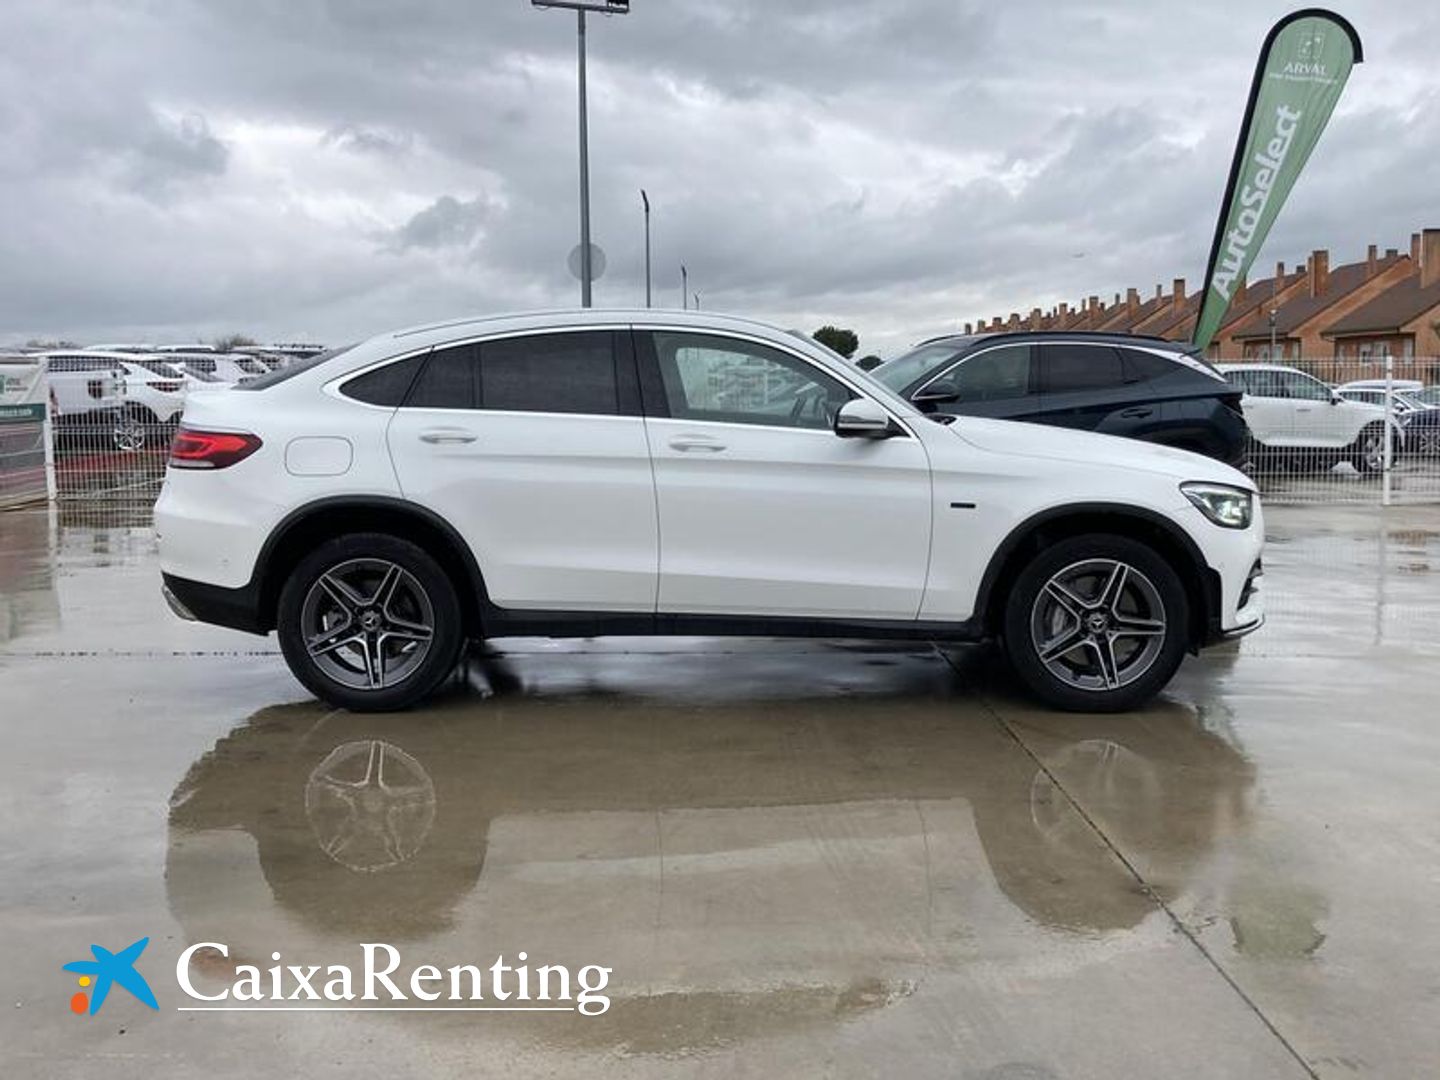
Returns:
(1096, 623)
(370, 622)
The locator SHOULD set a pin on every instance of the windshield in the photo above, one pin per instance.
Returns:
(911, 367)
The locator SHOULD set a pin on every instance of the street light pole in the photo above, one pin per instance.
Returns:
(607, 7)
(1273, 313)
(684, 288)
(646, 200)
(585, 268)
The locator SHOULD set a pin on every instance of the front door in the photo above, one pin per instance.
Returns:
(764, 510)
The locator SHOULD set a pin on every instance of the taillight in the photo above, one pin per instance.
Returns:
(193, 449)
(165, 387)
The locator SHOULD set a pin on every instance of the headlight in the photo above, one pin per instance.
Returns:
(1228, 507)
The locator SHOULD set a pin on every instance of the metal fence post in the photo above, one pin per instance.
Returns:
(1385, 476)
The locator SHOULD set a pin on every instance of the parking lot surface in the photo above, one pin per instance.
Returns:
(798, 858)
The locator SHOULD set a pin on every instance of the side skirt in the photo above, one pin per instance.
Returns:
(511, 622)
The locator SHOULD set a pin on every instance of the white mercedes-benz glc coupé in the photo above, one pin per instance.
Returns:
(647, 472)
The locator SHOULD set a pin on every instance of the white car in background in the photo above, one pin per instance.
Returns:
(230, 368)
(155, 389)
(87, 397)
(1294, 417)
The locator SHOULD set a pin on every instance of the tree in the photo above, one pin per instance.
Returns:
(868, 363)
(233, 341)
(844, 342)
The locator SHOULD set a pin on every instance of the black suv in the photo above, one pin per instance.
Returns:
(1116, 384)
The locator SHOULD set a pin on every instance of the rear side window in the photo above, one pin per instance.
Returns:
(1068, 369)
(386, 385)
(581, 372)
(449, 380)
(1143, 366)
(564, 373)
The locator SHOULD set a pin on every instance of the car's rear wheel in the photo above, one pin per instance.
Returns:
(132, 426)
(370, 622)
(1096, 623)
(1368, 452)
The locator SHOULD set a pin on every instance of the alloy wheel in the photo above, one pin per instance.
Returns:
(1098, 624)
(367, 624)
(129, 435)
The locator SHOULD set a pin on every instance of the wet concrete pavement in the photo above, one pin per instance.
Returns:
(800, 859)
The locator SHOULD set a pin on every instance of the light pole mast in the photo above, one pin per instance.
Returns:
(684, 288)
(585, 268)
(608, 7)
(646, 200)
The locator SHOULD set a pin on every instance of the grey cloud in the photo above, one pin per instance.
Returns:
(171, 154)
(899, 167)
(447, 222)
(368, 141)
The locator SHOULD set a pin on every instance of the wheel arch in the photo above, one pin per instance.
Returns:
(316, 522)
(1031, 536)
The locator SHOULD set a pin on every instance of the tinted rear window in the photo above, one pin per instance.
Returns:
(1143, 366)
(566, 373)
(386, 385)
(448, 381)
(1067, 369)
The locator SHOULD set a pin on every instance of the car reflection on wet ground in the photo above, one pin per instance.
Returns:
(799, 858)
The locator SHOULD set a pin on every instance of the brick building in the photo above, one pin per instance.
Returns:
(1383, 303)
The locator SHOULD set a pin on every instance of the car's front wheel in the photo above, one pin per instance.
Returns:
(370, 622)
(1096, 623)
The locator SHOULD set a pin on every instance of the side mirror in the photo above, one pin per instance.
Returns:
(1335, 398)
(861, 418)
(937, 392)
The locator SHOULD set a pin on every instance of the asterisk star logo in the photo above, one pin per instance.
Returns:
(109, 968)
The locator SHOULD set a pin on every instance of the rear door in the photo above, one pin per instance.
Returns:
(1082, 384)
(764, 510)
(1318, 419)
(533, 447)
(1269, 411)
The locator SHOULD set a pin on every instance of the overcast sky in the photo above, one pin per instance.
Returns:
(329, 169)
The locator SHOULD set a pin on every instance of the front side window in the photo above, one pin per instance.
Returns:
(1000, 374)
(1069, 369)
(726, 380)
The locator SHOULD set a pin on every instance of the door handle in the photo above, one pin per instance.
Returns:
(1137, 411)
(438, 436)
(687, 443)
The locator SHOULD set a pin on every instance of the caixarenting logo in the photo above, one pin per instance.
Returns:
(374, 984)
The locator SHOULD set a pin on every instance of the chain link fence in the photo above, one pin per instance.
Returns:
(1337, 430)
(1323, 430)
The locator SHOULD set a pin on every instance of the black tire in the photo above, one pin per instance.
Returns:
(134, 427)
(1141, 657)
(341, 670)
(1367, 453)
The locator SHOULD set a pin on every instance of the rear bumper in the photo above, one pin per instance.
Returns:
(239, 609)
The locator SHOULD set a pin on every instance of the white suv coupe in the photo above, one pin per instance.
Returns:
(644, 472)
